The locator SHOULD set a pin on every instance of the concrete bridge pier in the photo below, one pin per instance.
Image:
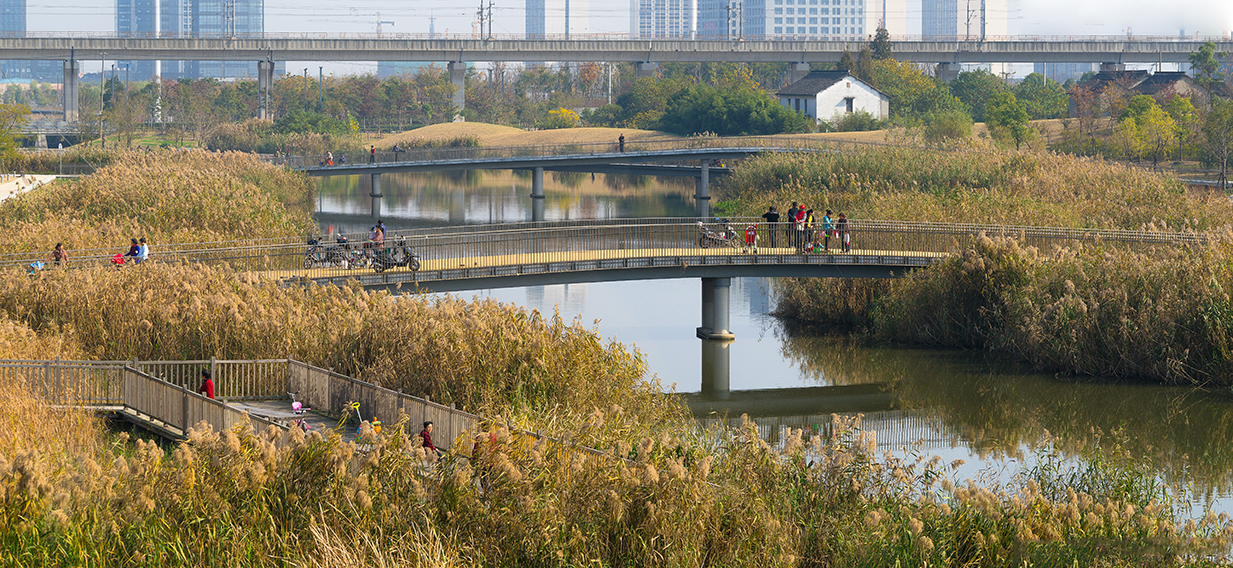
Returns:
(715, 309)
(715, 366)
(537, 194)
(645, 69)
(375, 194)
(265, 81)
(69, 90)
(948, 71)
(797, 71)
(702, 197)
(458, 78)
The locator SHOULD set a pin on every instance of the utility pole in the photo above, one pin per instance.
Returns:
(480, 16)
(490, 20)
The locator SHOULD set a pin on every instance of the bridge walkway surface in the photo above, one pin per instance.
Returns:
(537, 253)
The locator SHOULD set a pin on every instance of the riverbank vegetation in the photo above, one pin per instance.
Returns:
(164, 195)
(1098, 308)
(661, 492)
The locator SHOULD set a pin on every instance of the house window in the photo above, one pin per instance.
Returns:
(778, 10)
(798, 105)
(813, 20)
(847, 103)
(791, 11)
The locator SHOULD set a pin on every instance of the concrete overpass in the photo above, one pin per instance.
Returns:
(644, 53)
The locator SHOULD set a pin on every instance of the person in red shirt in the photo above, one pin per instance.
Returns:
(207, 385)
(426, 434)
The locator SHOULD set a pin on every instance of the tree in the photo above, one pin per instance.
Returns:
(846, 63)
(1157, 132)
(702, 108)
(864, 65)
(1005, 112)
(127, 113)
(1126, 136)
(1206, 65)
(1218, 136)
(947, 125)
(1041, 97)
(12, 119)
(1186, 120)
(1137, 107)
(976, 89)
(881, 46)
(912, 93)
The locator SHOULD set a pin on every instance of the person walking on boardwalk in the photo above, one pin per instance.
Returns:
(207, 385)
(828, 227)
(59, 255)
(842, 228)
(772, 217)
(426, 436)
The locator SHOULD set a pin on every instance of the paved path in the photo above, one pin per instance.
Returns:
(14, 185)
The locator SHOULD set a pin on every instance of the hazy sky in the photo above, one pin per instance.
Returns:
(1044, 17)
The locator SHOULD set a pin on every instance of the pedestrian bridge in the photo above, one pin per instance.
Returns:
(542, 253)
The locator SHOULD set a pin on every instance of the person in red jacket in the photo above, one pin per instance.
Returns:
(207, 384)
(426, 434)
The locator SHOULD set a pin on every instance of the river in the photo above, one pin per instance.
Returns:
(958, 405)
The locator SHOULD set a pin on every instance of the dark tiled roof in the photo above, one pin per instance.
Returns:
(1160, 81)
(1127, 79)
(813, 83)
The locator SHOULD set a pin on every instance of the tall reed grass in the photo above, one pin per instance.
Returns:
(166, 196)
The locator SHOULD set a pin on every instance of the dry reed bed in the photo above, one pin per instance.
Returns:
(973, 186)
(166, 196)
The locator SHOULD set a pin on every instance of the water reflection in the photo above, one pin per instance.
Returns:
(497, 196)
(999, 409)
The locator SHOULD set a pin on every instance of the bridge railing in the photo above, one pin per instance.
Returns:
(576, 37)
(539, 243)
(631, 150)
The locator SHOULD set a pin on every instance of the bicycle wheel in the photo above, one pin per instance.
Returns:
(704, 242)
(414, 264)
(308, 262)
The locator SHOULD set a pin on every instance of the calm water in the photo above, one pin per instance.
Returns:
(960, 404)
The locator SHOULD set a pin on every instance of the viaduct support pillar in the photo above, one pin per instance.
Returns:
(702, 197)
(715, 309)
(265, 82)
(537, 194)
(69, 90)
(644, 69)
(375, 193)
(715, 365)
(797, 71)
(948, 71)
(458, 78)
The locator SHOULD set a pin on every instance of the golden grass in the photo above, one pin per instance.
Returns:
(166, 196)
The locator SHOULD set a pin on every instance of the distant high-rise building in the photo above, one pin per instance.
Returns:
(825, 20)
(139, 18)
(221, 18)
(663, 18)
(13, 22)
(558, 17)
(963, 19)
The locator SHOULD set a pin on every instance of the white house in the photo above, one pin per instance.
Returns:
(824, 95)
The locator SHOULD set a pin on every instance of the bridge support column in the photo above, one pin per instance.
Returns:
(265, 81)
(375, 194)
(69, 90)
(947, 71)
(797, 71)
(458, 78)
(537, 194)
(702, 197)
(715, 309)
(715, 365)
(644, 69)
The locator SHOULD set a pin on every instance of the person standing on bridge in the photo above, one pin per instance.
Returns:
(842, 229)
(207, 385)
(329, 158)
(828, 227)
(621, 144)
(372, 154)
(772, 218)
(788, 231)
